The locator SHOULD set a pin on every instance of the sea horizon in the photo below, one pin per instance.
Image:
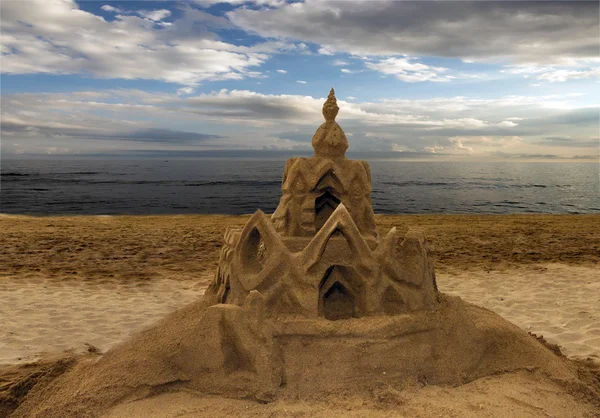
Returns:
(236, 186)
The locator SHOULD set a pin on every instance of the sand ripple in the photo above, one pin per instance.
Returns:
(560, 302)
(42, 317)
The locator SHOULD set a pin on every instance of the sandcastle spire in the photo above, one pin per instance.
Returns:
(329, 140)
(330, 107)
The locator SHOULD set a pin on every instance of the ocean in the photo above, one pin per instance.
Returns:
(239, 186)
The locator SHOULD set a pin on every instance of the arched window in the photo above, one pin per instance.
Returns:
(325, 204)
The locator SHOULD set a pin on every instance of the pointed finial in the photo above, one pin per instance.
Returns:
(330, 107)
(330, 141)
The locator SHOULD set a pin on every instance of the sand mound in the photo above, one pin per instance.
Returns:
(225, 350)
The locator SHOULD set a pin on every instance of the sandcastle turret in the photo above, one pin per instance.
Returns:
(312, 188)
(319, 254)
(330, 140)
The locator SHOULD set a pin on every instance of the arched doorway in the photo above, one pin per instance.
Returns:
(338, 303)
(341, 294)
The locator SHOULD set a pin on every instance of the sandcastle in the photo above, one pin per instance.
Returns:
(320, 255)
(307, 304)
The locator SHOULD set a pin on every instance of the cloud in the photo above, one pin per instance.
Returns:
(325, 51)
(282, 71)
(55, 36)
(108, 8)
(346, 71)
(514, 31)
(564, 75)
(553, 74)
(561, 141)
(406, 69)
(340, 63)
(208, 3)
(242, 119)
(301, 81)
(155, 135)
(155, 15)
(185, 90)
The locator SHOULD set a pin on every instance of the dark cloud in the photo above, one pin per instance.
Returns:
(163, 136)
(586, 157)
(155, 135)
(522, 31)
(557, 139)
(567, 142)
(525, 156)
(296, 136)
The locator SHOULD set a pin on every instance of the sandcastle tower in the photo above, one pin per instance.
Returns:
(319, 255)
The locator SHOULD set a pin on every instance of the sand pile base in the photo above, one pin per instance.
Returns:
(236, 352)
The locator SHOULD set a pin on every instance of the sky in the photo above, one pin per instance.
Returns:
(474, 80)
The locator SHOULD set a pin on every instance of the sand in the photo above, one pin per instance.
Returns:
(187, 246)
(87, 283)
(561, 303)
(518, 395)
(44, 317)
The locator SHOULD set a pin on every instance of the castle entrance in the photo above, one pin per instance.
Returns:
(341, 294)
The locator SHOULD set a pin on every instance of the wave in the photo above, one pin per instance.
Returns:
(235, 183)
(14, 174)
(466, 184)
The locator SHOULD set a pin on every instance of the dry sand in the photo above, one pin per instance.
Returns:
(518, 395)
(561, 303)
(48, 317)
(42, 317)
(71, 283)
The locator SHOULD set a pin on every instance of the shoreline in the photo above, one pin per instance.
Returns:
(192, 215)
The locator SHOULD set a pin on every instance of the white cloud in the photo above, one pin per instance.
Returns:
(340, 63)
(108, 8)
(55, 36)
(346, 71)
(301, 81)
(282, 71)
(208, 3)
(468, 143)
(407, 70)
(155, 15)
(565, 75)
(325, 51)
(185, 91)
(558, 75)
(434, 149)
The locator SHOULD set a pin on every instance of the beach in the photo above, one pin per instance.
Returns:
(72, 285)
